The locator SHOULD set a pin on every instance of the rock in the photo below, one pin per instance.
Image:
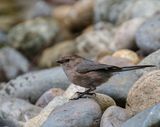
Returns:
(125, 34)
(114, 117)
(144, 93)
(109, 9)
(116, 61)
(127, 54)
(104, 101)
(147, 36)
(48, 96)
(95, 42)
(32, 85)
(77, 113)
(18, 109)
(3, 39)
(33, 35)
(148, 118)
(139, 8)
(12, 64)
(77, 16)
(119, 85)
(60, 2)
(50, 55)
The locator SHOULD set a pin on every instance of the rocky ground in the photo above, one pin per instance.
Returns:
(34, 90)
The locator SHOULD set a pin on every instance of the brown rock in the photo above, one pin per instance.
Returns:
(144, 93)
(50, 55)
(128, 54)
(117, 61)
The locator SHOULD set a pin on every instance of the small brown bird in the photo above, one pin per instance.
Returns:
(90, 74)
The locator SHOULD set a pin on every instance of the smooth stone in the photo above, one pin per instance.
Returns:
(12, 64)
(32, 85)
(125, 34)
(48, 96)
(91, 44)
(114, 116)
(148, 118)
(77, 113)
(33, 35)
(116, 61)
(144, 93)
(127, 54)
(18, 109)
(51, 54)
(147, 36)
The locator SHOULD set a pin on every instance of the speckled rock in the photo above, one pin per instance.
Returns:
(18, 109)
(48, 96)
(117, 61)
(147, 36)
(144, 93)
(114, 117)
(125, 34)
(77, 113)
(33, 35)
(76, 16)
(139, 8)
(104, 101)
(32, 85)
(50, 55)
(12, 64)
(148, 118)
(93, 43)
(128, 54)
(109, 9)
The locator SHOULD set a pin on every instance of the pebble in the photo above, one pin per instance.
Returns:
(12, 64)
(77, 113)
(114, 116)
(147, 36)
(144, 93)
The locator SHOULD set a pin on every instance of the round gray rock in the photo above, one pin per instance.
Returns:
(114, 117)
(147, 36)
(77, 113)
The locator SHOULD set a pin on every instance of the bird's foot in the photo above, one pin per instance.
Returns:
(83, 95)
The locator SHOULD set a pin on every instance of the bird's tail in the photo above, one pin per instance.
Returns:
(128, 68)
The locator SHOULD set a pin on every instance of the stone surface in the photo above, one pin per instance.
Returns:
(12, 64)
(147, 36)
(148, 118)
(114, 117)
(144, 93)
(33, 35)
(18, 109)
(48, 96)
(95, 42)
(32, 85)
(127, 54)
(77, 113)
(116, 61)
(50, 55)
(125, 34)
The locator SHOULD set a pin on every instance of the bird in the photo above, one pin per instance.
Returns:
(90, 74)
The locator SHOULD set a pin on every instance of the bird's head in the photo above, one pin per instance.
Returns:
(67, 59)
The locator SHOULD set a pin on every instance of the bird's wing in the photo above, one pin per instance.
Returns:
(93, 66)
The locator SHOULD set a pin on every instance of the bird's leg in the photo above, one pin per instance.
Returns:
(87, 92)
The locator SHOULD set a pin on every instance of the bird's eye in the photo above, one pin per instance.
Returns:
(66, 60)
